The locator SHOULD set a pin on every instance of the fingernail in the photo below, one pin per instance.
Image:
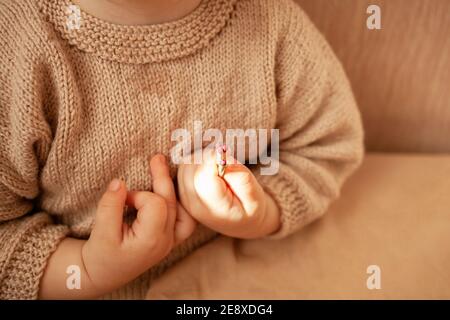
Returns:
(114, 185)
(162, 159)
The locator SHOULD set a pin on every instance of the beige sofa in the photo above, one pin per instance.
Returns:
(395, 211)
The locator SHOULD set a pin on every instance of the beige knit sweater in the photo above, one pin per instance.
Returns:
(80, 107)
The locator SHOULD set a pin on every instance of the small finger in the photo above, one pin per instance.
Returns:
(163, 186)
(151, 219)
(109, 214)
(184, 225)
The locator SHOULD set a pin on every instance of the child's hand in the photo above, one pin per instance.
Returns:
(235, 205)
(116, 252)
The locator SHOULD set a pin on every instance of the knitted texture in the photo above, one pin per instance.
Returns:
(81, 107)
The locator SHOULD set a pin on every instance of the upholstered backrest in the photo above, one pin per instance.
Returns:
(400, 74)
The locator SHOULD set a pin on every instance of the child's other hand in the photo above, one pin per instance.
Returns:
(116, 252)
(235, 205)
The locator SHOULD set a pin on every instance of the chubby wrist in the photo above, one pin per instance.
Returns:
(65, 276)
(90, 287)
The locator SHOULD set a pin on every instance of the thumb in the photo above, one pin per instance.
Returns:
(244, 186)
(241, 181)
(210, 188)
(109, 216)
(184, 225)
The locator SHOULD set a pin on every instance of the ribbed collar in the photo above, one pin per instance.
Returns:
(141, 44)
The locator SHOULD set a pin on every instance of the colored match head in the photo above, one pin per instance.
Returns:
(221, 148)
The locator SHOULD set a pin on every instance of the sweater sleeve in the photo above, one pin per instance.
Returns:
(27, 235)
(320, 131)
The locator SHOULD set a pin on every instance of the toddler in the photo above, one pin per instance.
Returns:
(89, 95)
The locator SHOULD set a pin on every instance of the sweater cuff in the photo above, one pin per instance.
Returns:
(25, 246)
(291, 201)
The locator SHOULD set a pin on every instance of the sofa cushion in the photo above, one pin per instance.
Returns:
(400, 74)
(393, 213)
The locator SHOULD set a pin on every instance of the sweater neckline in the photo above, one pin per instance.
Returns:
(140, 44)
